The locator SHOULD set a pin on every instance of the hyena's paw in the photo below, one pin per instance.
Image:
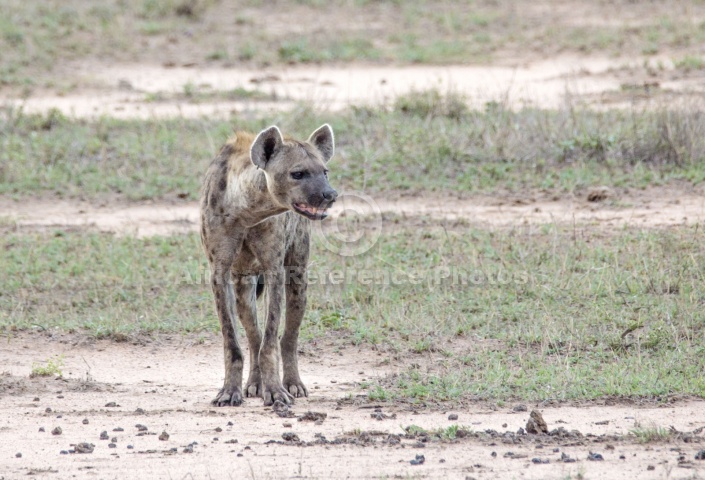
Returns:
(228, 396)
(295, 387)
(274, 393)
(253, 388)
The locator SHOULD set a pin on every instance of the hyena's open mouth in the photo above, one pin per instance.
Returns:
(311, 212)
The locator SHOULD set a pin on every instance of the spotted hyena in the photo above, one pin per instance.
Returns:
(259, 197)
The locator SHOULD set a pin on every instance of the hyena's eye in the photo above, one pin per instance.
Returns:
(298, 175)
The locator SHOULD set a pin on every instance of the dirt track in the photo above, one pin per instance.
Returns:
(656, 207)
(172, 380)
(129, 91)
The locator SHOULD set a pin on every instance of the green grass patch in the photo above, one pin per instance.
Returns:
(508, 314)
(426, 141)
(51, 368)
(104, 285)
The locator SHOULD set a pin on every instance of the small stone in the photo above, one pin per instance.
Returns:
(286, 425)
(599, 194)
(188, 449)
(130, 447)
(104, 435)
(114, 439)
(164, 436)
(700, 455)
(57, 431)
(453, 416)
(112, 445)
(218, 429)
(536, 424)
(494, 454)
(18, 455)
(111, 404)
(85, 447)
(520, 408)
(290, 437)
(595, 457)
(622, 457)
(41, 429)
(63, 452)
(85, 421)
(141, 428)
(650, 467)
(35, 399)
(230, 424)
(140, 410)
(48, 410)
(239, 454)
(118, 429)
(419, 460)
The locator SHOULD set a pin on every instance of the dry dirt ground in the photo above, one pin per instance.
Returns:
(149, 91)
(599, 207)
(165, 385)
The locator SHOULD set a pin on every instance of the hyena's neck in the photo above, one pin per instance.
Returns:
(247, 197)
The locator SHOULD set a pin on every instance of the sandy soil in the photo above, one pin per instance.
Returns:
(129, 90)
(654, 207)
(173, 378)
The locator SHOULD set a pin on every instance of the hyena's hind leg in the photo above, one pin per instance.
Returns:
(245, 294)
(295, 288)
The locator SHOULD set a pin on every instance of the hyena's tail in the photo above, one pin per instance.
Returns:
(260, 285)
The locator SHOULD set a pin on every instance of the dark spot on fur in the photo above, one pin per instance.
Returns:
(222, 184)
(214, 199)
(203, 231)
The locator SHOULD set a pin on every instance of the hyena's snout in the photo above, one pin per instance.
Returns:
(317, 203)
(323, 198)
(329, 195)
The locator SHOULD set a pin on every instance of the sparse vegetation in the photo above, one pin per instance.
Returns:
(425, 142)
(532, 314)
(650, 433)
(52, 367)
(36, 37)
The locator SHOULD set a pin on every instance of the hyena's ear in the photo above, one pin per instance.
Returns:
(324, 141)
(267, 142)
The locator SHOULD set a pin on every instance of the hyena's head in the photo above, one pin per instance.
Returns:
(297, 177)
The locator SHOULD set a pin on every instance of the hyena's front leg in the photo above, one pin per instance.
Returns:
(220, 257)
(245, 288)
(295, 307)
(272, 388)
